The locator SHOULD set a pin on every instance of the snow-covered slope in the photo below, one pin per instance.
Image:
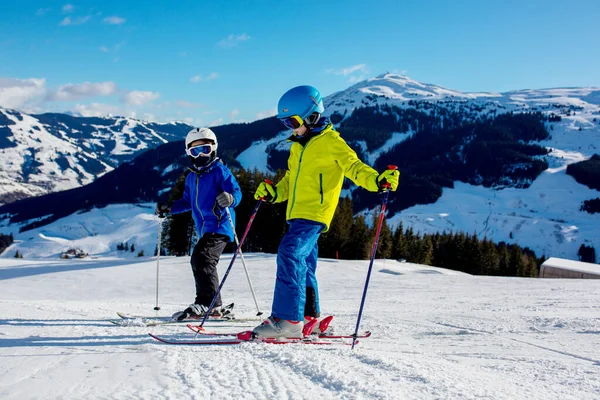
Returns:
(545, 216)
(53, 152)
(96, 232)
(399, 90)
(436, 335)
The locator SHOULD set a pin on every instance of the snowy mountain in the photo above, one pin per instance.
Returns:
(529, 199)
(47, 153)
(436, 334)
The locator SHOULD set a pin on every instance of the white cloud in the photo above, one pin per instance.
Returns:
(138, 97)
(266, 114)
(67, 8)
(76, 21)
(114, 20)
(42, 11)
(348, 71)
(198, 78)
(234, 113)
(182, 53)
(71, 91)
(233, 40)
(97, 110)
(355, 73)
(21, 93)
(104, 49)
(216, 122)
(116, 59)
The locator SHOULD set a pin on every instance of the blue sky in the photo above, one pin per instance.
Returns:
(213, 62)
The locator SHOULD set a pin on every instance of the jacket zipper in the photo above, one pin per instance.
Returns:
(199, 210)
(321, 186)
(298, 174)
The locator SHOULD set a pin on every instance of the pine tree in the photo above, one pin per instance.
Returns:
(490, 260)
(132, 247)
(385, 244)
(514, 260)
(359, 245)
(333, 243)
(504, 260)
(427, 251)
(400, 246)
(534, 271)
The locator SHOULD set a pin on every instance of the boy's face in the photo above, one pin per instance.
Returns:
(300, 131)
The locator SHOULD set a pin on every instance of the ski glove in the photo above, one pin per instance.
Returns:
(391, 176)
(266, 192)
(162, 208)
(225, 199)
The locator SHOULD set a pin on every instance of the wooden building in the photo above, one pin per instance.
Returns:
(569, 269)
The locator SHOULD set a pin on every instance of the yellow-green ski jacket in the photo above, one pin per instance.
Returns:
(315, 174)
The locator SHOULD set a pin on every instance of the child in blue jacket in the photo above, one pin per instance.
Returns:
(210, 188)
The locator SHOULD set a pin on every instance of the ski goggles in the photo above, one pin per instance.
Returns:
(200, 150)
(293, 122)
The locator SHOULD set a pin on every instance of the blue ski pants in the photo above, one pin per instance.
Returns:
(296, 268)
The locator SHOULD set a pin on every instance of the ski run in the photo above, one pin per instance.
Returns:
(436, 334)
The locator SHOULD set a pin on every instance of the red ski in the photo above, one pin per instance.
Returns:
(196, 329)
(237, 340)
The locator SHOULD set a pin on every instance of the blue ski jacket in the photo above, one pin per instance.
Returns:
(200, 196)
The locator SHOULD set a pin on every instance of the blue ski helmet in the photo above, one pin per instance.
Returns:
(302, 101)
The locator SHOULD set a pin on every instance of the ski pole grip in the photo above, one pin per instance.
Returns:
(390, 168)
(268, 182)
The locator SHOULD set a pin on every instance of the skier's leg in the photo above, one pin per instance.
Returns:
(290, 286)
(312, 307)
(204, 265)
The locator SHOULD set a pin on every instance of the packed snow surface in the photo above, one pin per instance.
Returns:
(437, 334)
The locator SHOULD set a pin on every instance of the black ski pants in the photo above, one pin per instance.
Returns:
(204, 260)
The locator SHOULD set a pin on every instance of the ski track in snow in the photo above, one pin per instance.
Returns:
(437, 334)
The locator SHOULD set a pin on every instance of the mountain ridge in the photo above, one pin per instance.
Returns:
(382, 128)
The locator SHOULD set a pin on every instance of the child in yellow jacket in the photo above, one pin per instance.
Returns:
(318, 162)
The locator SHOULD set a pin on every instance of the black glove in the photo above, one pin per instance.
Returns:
(161, 209)
(225, 199)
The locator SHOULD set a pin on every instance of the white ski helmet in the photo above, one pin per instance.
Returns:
(201, 133)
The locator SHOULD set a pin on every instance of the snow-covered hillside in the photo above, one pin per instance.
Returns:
(53, 152)
(436, 335)
(96, 232)
(546, 216)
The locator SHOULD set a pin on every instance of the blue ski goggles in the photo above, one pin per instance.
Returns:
(293, 122)
(200, 150)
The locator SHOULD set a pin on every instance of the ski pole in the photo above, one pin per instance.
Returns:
(158, 246)
(212, 303)
(237, 242)
(373, 251)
